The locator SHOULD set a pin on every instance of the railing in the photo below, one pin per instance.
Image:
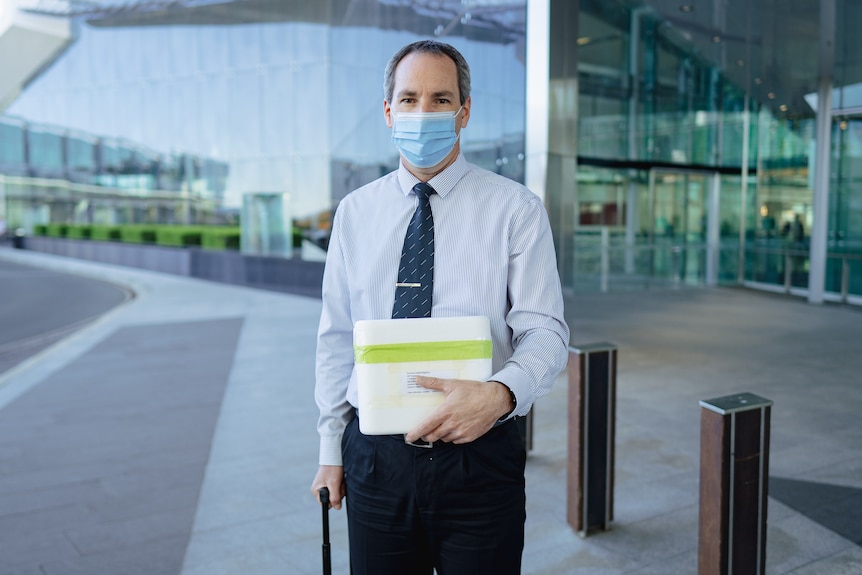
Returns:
(793, 271)
(603, 261)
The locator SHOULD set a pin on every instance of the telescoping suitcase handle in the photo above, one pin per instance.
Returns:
(327, 557)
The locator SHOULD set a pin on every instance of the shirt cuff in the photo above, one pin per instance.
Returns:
(519, 383)
(330, 450)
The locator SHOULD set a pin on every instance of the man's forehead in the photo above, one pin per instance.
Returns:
(426, 68)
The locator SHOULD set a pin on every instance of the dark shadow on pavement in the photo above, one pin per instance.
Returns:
(835, 507)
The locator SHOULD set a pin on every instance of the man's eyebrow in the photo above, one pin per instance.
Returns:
(444, 94)
(413, 94)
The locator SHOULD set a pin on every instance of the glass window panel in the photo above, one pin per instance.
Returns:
(117, 51)
(181, 122)
(308, 123)
(45, 152)
(211, 115)
(277, 98)
(244, 125)
(213, 47)
(11, 146)
(244, 42)
(274, 48)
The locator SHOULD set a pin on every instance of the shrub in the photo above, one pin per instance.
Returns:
(57, 230)
(178, 236)
(81, 232)
(105, 233)
(220, 238)
(207, 237)
(135, 234)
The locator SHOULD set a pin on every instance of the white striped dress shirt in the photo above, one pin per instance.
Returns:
(494, 256)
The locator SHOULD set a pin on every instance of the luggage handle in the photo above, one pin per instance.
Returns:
(327, 557)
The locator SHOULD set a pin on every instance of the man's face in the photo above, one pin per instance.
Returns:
(426, 83)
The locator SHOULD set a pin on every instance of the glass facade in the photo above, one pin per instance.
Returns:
(696, 139)
(681, 137)
(286, 96)
(52, 174)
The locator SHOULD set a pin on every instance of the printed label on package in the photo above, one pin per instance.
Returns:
(409, 385)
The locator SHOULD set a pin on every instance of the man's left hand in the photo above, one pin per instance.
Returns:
(470, 409)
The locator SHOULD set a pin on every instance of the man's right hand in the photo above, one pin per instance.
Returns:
(332, 477)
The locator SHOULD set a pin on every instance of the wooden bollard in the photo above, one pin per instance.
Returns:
(592, 413)
(734, 480)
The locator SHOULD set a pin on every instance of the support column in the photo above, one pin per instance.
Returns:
(819, 227)
(713, 238)
(560, 114)
(592, 416)
(537, 96)
(734, 481)
(632, 201)
(743, 199)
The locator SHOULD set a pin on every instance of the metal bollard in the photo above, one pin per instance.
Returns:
(18, 239)
(734, 472)
(592, 413)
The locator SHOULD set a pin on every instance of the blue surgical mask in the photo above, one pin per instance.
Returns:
(424, 138)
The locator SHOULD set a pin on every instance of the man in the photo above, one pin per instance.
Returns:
(459, 506)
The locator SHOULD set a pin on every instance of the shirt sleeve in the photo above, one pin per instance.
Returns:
(540, 336)
(334, 360)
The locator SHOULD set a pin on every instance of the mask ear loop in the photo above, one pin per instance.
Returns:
(407, 114)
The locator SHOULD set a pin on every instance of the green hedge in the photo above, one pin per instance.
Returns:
(178, 236)
(56, 230)
(207, 237)
(106, 233)
(79, 232)
(138, 234)
(220, 238)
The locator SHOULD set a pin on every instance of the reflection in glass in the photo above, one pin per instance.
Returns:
(286, 96)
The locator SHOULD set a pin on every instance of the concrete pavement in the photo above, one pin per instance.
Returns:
(176, 433)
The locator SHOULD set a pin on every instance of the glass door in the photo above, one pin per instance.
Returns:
(679, 218)
(844, 236)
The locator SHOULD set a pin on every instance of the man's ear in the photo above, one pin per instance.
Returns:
(387, 113)
(465, 113)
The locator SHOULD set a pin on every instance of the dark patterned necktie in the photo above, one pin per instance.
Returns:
(416, 271)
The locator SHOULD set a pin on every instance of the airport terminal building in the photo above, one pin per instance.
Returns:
(709, 142)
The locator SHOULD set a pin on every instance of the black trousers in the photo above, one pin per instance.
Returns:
(459, 509)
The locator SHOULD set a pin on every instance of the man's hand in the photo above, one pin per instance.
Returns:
(470, 409)
(331, 476)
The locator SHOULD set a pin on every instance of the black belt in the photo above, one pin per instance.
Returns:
(418, 443)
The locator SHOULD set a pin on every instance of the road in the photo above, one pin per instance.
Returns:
(38, 307)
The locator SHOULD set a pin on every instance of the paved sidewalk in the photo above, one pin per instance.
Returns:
(176, 434)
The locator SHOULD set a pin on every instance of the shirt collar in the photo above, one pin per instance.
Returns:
(443, 183)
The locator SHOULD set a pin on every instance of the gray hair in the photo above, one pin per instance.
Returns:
(428, 47)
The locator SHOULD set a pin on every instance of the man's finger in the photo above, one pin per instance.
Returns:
(335, 496)
(425, 427)
(335, 501)
(430, 382)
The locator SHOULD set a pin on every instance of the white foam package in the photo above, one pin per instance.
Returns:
(390, 353)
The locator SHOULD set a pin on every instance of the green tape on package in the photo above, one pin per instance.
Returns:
(423, 351)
